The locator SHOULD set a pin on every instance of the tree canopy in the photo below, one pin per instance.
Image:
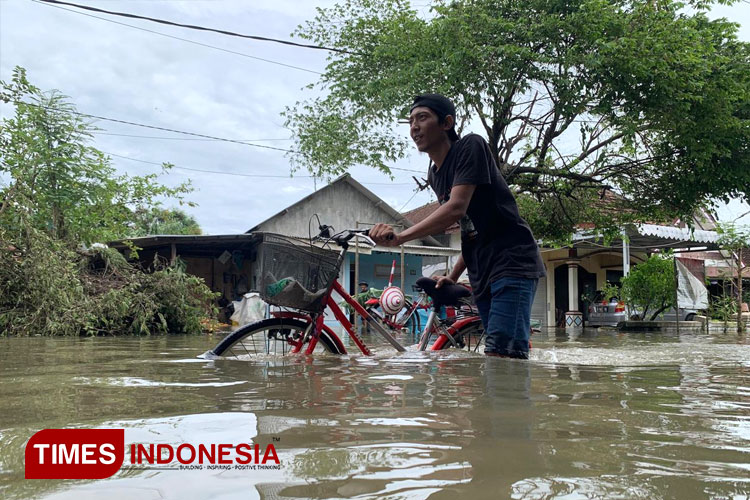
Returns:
(53, 180)
(57, 192)
(639, 103)
(157, 220)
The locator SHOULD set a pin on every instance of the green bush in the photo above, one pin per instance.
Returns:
(57, 192)
(723, 307)
(40, 288)
(47, 288)
(650, 286)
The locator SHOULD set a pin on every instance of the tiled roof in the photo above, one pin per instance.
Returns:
(725, 272)
(421, 213)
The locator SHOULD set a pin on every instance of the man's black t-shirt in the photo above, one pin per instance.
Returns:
(495, 241)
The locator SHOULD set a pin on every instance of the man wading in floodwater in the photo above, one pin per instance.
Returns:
(497, 247)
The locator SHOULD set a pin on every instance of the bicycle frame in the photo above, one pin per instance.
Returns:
(317, 323)
(318, 319)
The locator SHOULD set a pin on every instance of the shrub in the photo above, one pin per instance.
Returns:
(650, 286)
(48, 289)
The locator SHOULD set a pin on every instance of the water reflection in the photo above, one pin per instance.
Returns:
(595, 415)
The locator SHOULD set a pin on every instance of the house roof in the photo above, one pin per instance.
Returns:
(717, 272)
(204, 245)
(421, 213)
(377, 201)
(168, 239)
(671, 234)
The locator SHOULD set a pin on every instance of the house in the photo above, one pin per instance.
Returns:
(228, 263)
(346, 204)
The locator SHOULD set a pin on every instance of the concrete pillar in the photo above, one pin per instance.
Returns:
(573, 317)
(551, 319)
(356, 277)
(572, 286)
(403, 270)
(625, 254)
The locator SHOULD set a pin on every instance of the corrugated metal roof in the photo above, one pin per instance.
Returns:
(678, 233)
(647, 236)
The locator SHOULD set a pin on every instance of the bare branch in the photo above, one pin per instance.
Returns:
(584, 154)
(509, 144)
(555, 173)
(483, 119)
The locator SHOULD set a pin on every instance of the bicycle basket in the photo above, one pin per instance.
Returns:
(293, 273)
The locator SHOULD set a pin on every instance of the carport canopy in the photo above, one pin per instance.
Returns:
(651, 237)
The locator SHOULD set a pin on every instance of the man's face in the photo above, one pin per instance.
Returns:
(425, 130)
(362, 288)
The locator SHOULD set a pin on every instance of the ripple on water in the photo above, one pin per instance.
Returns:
(140, 382)
(652, 354)
(649, 417)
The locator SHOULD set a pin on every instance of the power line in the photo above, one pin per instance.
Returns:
(387, 183)
(237, 174)
(195, 27)
(165, 129)
(192, 134)
(235, 141)
(183, 39)
(409, 201)
(180, 138)
(204, 170)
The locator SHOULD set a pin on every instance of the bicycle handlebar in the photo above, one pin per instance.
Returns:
(342, 238)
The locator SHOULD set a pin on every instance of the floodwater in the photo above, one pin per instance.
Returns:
(595, 415)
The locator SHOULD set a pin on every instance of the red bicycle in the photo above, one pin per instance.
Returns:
(299, 278)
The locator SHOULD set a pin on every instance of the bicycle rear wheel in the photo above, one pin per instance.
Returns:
(469, 337)
(270, 336)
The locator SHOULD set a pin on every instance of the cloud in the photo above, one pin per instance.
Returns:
(295, 189)
(129, 74)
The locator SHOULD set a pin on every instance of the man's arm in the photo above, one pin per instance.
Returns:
(448, 213)
(458, 268)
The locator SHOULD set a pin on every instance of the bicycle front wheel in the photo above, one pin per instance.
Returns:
(413, 324)
(271, 336)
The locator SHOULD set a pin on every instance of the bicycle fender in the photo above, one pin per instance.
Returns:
(463, 322)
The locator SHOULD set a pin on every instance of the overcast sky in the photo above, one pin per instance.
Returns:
(130, 74)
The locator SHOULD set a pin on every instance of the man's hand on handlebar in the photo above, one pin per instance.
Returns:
(383, 234)
(444, 280)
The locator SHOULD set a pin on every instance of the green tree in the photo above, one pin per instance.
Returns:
(576, 98)
(157, 220)
(57, 192)
(650, 286)
(53, 180)
(734, 240)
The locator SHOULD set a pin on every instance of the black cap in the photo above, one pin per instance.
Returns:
(441, 105)
(363, 283)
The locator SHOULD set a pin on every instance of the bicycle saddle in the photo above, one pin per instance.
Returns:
(446, 295)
